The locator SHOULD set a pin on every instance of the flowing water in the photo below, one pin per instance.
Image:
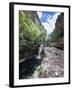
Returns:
(39, 52)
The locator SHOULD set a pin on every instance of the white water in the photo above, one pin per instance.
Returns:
(39, 52)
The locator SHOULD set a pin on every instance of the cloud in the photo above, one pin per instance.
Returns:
(53, 19)
(48, 20)
(44, 15)
(39, 14)
(49, 25)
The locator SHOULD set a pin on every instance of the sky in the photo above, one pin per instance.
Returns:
(48, 20)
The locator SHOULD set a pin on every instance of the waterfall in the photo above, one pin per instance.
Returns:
(39, 52)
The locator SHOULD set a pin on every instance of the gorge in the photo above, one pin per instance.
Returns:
(40, 57)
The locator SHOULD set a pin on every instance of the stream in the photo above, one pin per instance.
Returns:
(52, 64)
(48, 65)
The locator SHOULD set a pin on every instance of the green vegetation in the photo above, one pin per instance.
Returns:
(30, 35)
(57, 36)
(40, 70)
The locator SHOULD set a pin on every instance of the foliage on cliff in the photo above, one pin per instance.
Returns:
(30, 34)
(58, 33)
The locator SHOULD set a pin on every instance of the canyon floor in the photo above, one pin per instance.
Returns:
(50, 66)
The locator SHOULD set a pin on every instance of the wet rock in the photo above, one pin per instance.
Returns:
(53, 63)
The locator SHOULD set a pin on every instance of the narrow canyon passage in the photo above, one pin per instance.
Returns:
(41, 44)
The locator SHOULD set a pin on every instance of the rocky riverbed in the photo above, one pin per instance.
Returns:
(50, 66)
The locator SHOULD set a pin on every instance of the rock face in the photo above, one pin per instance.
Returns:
(58, 33)
(57, 36)
(34, 17)
(59, 23)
